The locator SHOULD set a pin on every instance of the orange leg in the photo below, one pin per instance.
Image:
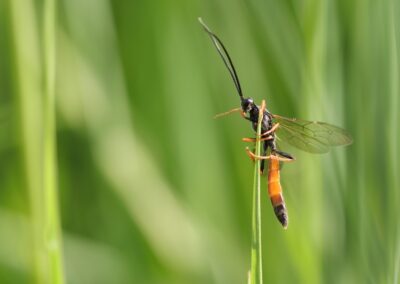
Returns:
(228, 112)
(255, 157)
(272, 130)
(250, 154)
(255, 140)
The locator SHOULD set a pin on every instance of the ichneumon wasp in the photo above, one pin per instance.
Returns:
(310, 136)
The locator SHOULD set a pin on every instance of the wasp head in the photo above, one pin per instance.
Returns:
(247, 104)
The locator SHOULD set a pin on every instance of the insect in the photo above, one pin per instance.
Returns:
(310, 136)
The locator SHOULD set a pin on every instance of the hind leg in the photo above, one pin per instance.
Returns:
(255, 157)
(284, 155)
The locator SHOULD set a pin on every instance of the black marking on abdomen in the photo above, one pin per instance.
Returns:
(281, 214)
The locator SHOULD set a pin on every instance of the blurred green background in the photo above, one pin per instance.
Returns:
(152, 189)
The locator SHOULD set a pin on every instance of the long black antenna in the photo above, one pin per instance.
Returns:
(225, 57)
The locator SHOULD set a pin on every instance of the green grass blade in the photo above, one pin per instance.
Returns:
(38, 128)
(28, 71)
(52, 220)
(256, 253)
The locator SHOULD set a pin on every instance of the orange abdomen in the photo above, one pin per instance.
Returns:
(275, 192)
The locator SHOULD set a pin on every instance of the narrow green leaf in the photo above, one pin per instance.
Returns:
(256, 253)
(52, 235)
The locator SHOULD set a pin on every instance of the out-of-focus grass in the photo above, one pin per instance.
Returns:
(35, 73)
(155, 191)
(52, 228)
(27, 95)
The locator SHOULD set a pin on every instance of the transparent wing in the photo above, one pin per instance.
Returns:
(311, 136)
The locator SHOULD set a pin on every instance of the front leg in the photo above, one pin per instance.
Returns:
(243, 114)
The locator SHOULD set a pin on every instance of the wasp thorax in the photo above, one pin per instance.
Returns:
(247, 104)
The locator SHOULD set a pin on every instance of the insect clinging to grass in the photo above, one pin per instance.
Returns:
(310, 136)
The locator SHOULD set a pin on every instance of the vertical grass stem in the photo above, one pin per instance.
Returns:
(256, 252)
(52, 233)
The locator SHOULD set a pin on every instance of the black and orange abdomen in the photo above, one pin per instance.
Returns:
(275, 191)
